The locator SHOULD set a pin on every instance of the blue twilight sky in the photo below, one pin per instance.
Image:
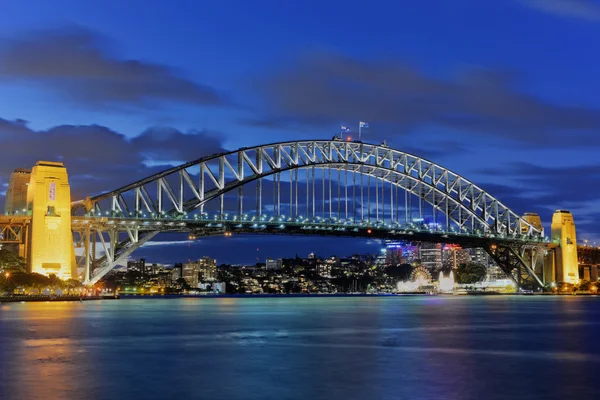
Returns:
(503, 92)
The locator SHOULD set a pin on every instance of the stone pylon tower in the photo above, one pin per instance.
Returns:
(49, 204)
(16, 194)
(563, 234)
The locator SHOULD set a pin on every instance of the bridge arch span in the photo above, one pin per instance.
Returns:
(190, 186)
(420, 177)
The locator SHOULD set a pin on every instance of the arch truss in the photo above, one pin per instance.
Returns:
(293, 169)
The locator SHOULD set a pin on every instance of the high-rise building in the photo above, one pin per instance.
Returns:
(16, 194)
(394, 253)
(495, 273)
(176, 272)
(155, 269)
(207, 268)
(189, 272)
(453, 256)
(480, 256)
(431, 255)
(324, 270)
(137, 266)
(411, 254)
(274, 264)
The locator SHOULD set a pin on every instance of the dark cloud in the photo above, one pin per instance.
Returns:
(434, 151)
(553, 186)
(319, 88)
(533, 188)
(75, 63)
(97, 158)
(581, 9)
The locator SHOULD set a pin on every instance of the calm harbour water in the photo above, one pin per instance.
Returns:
(514, 347)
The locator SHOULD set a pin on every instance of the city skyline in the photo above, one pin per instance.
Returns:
(116, 104)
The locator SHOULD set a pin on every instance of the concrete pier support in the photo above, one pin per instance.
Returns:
(563, 234)
(49, 204)
(594, 273)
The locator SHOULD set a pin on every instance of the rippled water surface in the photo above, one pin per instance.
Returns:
(302, 348)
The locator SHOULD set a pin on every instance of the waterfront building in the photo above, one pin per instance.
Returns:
(137, 266)
(207, 268)
(480, 256)
(454, 255)
(495, 273)
(324, 270)
(154, 269)
(394, 252)
(274, 264)
(176, 272)
(189, 272)
(431, 255)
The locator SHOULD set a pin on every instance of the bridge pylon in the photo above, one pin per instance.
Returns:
(565, 254)
(50, 249)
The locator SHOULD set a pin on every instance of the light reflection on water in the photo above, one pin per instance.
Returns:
(300, 348)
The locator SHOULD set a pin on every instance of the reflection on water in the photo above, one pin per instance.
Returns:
(301, 348)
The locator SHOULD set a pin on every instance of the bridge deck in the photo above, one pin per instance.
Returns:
(214, 226)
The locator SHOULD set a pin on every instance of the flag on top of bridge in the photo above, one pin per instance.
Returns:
(363, 124)
(344, 129)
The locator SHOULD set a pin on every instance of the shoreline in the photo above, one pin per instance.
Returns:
(301, 295)
(23, 299)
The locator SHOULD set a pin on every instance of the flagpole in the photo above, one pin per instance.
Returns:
(359, 133)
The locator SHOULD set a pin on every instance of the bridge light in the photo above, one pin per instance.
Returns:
(369, 231)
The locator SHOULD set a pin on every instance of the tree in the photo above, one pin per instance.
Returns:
(183, 284)
(11, 262)
(470, 273)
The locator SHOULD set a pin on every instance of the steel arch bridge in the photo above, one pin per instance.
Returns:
(318, 187)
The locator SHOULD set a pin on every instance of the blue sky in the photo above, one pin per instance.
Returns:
(502, 92)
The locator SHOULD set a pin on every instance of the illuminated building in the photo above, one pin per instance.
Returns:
(480, 256)
(176, 272)
(454, 255)
(155, 269)
(495, 273)
(431, 255)
(324, 270)
(207, 268)
(394, 253)
(137, 266)
(274, 264)
(381, 258)
(189, 272)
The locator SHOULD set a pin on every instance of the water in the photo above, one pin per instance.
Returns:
(302, 348)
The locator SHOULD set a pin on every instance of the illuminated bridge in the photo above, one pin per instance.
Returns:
(315, 187)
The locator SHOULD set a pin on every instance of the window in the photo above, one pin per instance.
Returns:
(52, 191)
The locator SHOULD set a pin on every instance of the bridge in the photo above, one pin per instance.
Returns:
(314, 187)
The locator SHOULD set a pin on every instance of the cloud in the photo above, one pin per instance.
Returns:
(534, 188)
(581, 9)
(97, 158)
(553, 186)
(169, 243)
(396, 98)
(75, 63)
